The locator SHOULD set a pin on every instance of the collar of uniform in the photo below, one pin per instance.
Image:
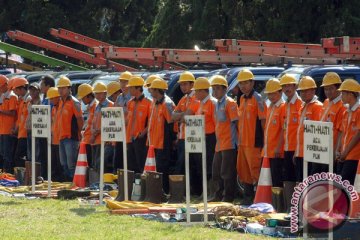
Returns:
(93, 102)
(205, 99)
(191, 93)
(105, 102)
(141, 97)
(337, 99)
(356, 106)
(315, 98)
(24, 97)
(250, 94)
(7, 94)
(222, 99)
(294, 98)
(160, 101)
(277, 104)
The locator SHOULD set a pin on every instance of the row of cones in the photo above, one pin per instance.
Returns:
(263, 191)
(82, 164)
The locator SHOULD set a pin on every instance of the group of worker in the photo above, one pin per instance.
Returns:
(238, 136)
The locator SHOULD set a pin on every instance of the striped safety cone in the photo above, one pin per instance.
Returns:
(263, 190)
(81, 167)
(150, 164)
(355, 205)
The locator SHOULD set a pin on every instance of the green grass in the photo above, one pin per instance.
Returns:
(59, 219)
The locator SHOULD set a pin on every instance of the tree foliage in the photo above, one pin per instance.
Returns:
(183, 23)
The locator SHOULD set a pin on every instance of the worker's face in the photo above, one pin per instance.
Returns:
(100, 96)
(123, 84)
(201, 94)
(55, 101)
(246, 87)
(307, 95)
(43, 87)
(64, 91)
(289, 90)
(4, 88)
(20, 91)
(219, 91)
(274, 97)
(331, 92)
(34, 93)
(347, 97)
(115, 95)
(86, 100)
(186, 87)
(154, 93)
(132, 91)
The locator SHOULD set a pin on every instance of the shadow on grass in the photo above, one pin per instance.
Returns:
(10, 203)
(83, 212)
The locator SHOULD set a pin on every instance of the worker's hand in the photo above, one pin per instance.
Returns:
(142, 134)
(343, 155)
(14, 131)
(92, 139)
(277, 153)
(293, 160)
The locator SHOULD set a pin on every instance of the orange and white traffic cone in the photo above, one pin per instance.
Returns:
(355, 205)
(81, 167)
(263, 190)
(150, 164)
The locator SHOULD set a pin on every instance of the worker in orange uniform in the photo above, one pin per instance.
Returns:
(252, 114)
(187, 102)
(206, 108)
(121, 101)
(113, 91)
(348, 154)
(273, 132)
(8, 111)
(71, 123)
(224, 162)
(333, 110)
(100, 91)
(137, 123)
(160, 130)
(20, 87)
(53, 96)
(310, 110)
(292, 119)
(86, 95)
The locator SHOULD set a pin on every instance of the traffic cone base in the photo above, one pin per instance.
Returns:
(150, 164)
(81, 167)
(263, 190)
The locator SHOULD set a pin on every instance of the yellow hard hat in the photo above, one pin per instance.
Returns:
(331, 78)
(186, 76)
(245, 75)
(219, 80)
(273, 85)
(159, 84)
(112, 88)
(136, 81)
(287, 79)
(63, 82)
(201, 83)
(125, 76)
(18, 82)
(52, 92)
(100, 87)
(350, 85)
(149, 80)
(84, 90)
(306, 82)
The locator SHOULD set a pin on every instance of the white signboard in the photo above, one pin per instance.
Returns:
(41, 121)
(111, 124)
(194, 133)
(318, 141)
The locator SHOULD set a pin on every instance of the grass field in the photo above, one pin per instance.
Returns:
(59, 219)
